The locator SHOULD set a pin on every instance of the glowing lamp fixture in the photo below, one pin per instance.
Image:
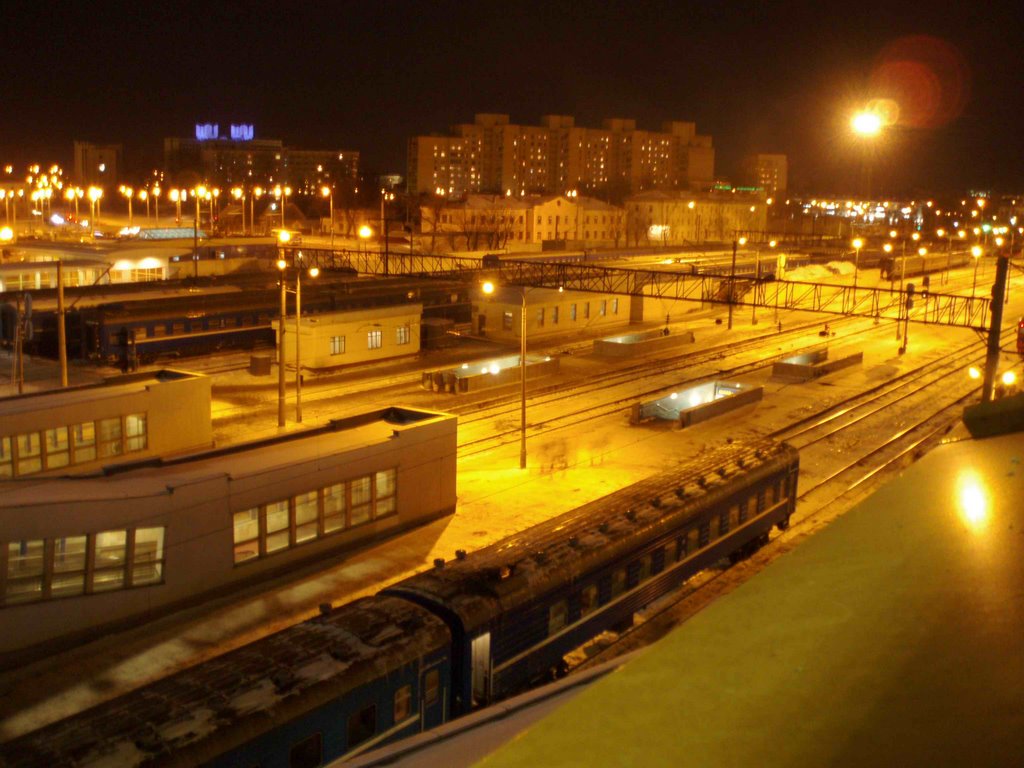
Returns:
(866, 124)
(976, 251)
(858, 243)
(488, 287)
(1009, 378)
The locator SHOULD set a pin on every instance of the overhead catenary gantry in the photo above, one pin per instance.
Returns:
(880, 303)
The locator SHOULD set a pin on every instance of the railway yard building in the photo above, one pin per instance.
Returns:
(86, 553)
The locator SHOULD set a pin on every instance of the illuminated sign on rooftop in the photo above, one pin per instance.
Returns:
(211, 132)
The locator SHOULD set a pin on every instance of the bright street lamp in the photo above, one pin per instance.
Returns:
(128, 192)
(866, 123)
(976, 253)
(488, 288)
(857, 245)
(328, 192)
(283, 238)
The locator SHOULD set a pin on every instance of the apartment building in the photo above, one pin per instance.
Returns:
(493, 155)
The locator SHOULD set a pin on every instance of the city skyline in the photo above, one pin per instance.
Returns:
(755, 78)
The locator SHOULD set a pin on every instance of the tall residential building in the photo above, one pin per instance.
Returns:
(98, 164)
(244, 159)
(770, 172)
(492, 155)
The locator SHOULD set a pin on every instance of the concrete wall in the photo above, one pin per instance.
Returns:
(198, 515)
(639, 344)
(812, 365)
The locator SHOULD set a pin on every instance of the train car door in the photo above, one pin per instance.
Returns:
(432, 698)
(480, 664)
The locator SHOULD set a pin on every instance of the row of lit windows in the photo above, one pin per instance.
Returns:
(58, 447)
(362, 724)
(374, 339)
(280, 525)
(542, 314)
(42, 569)
(687, 543)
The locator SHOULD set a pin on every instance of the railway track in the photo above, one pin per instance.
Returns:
(820, 498)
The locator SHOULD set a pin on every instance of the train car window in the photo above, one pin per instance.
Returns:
(743, 510)
(714, 527)
(761, 497)
(692, 541)
(588, 600)
(618, 582)
(734, 517)
(658, 560)
(362, 725)
(431, 686)
(680, 548)
(159, 329)
(334, 508)
(777, 492)
(644, 570)
(308, 753)
(403, 703)
(558, 616)
(705, 534)
(178, 328)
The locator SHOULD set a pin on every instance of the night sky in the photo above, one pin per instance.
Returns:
(757, 76)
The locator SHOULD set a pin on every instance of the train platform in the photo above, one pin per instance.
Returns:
(890, 638)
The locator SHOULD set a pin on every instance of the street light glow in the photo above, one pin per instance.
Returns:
(866, 124)
(488, 287)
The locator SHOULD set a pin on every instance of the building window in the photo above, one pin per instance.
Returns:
(506, 321)
(373, 339)
(402, 334)
(554, 315)
(572, 312)
(337, 345)
(588, 600)
(287, 523)
(615, 306)
(75, 565)
(603, 308)
(586, 310)
(540, 317)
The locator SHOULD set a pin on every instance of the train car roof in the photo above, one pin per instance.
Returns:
(499, 577)
(192, 716)
(892, 637)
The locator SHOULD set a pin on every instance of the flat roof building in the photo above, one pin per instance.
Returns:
(81, 428)
(82, 554)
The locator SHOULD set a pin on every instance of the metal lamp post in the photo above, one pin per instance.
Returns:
(328, 192)
(282, 265)
(488, 288)
(976, 253)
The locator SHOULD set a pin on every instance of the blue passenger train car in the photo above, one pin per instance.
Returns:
(517, 607)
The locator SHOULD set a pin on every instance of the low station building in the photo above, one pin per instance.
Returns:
(83, 554)
(81, 428)
(549, 312)
(331, 339)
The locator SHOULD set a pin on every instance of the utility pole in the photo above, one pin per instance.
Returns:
(280, 352)
(732, 281)
(992, 356)
(62, 347)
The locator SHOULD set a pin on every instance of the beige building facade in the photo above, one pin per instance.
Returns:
(125, 418)
(81, 555)
(492, 222)
(493, 155)
(333, 339)
(549, 312)
(769, 172)
(676, 218)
